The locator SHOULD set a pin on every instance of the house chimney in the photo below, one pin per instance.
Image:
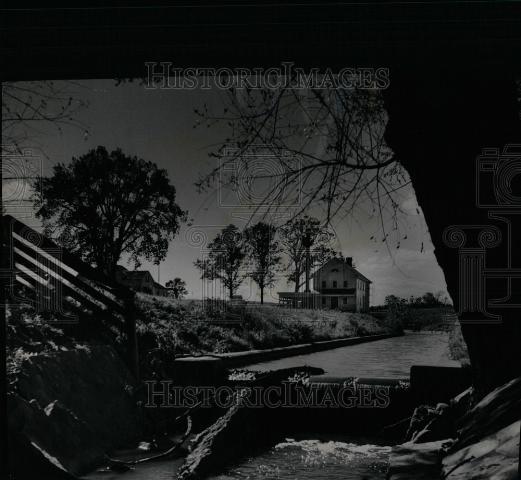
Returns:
(349, 261)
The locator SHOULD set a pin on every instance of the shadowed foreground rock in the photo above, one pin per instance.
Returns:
(493, 457)
(35, 459)
(70, 407)
(416, 461)
(486, 444)
(245, 428)
(228, 438)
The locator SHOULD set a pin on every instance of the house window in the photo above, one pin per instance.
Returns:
(323, 284)
(334, 284)
(323, 300)
(344, 300)
(345, 283)
(335, 270)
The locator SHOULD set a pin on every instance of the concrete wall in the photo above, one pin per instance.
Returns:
(239, 359)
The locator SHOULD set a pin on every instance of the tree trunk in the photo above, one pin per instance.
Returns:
(262, 294)
(297, 281)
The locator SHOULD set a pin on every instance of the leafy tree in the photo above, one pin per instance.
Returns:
(103, 205)
(398, 312)
(415, 301)
(177, 286)
(264, 252)
(299, 234)
(428, 299)
(225, 259)
(442, 298)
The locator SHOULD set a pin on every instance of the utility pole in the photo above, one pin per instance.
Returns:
(306, 242)
(308, 266)
(4, 265)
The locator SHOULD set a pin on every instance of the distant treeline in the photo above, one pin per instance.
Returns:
(427, 312)
(427, 300)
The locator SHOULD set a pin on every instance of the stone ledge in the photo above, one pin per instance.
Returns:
(239, 359)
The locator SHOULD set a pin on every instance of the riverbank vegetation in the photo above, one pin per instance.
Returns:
(168, 327)
(457, 346)
(429, 312)
(174, 327)
(29, 335)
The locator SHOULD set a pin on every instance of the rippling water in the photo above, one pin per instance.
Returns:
(160, 470)
(314, 460)
(388, 358)
(336, 459)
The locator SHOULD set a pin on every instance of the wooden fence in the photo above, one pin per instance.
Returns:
(61, 283)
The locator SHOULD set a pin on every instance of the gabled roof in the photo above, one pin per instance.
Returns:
(344, 265)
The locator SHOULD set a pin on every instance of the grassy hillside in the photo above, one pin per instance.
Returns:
(167, 327)
(187, 326)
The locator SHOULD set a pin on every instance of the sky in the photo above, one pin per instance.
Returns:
(158, 125)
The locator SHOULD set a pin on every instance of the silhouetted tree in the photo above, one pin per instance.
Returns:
(293, 236)
(177, 287)
(264, 252)
(225, 259)
(102, 205)
(327, 144)
(398, 312)
(428, 299)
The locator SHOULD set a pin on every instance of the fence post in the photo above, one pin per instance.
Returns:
(5, 277)
(130, 327)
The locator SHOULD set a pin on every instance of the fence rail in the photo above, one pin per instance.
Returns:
(60, 282)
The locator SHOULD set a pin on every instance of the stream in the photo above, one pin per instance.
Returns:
(312, 457)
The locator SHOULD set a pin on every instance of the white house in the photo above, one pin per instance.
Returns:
(337, 285)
